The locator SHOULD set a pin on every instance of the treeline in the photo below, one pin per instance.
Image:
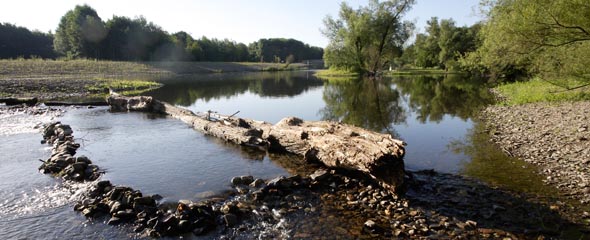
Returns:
(518, 39)
(83, 34)
(20, 42)
(442, 45)
(549, 39)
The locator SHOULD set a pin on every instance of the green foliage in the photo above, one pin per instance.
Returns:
(331, 73)
(79, 33)
(369, 38)
(277, 49)
(18, 42)
(420, 71)
(545, 38)
(365, 102)
(442, 45)
(126, 87)
(434, 96)
(537, 90)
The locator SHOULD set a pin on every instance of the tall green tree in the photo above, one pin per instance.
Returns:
(79, 33)
(444, 43)
(367, 39)
(426, 45)
(545, 38)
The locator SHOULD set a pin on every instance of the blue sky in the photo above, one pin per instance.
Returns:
(240, 20)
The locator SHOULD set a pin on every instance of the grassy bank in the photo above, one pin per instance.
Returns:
(33, 68)
(537, 90)
(337, 74)
(123, 86)
(49, 79)
(419, 71)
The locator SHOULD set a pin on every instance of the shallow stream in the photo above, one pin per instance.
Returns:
(159, 155)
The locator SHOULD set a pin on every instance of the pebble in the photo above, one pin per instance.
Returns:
(551, 136)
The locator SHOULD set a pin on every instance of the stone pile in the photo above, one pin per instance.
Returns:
(62, 162)
(125, 205)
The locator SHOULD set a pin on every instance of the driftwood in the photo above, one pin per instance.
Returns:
(333, 144)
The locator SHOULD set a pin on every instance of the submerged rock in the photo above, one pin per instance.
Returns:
(242, 180)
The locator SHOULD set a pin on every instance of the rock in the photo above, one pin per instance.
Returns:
(279, 182)
(471, 224)
(88, 212)
(83, 159)
(79, 166)
(371, 227)
(115, 207)
(230, 208)
(242, 180)
(114, 221)
(319, 175)
(199, 231)
(147, 201)
(184, 226)
(230, 220)
(257, 183)
(170, 220)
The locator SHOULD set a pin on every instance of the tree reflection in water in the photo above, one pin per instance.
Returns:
(365, 102)
(434, 96)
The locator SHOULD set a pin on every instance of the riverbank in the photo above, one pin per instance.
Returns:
(554, 136)
(542, 124)
(55, 79)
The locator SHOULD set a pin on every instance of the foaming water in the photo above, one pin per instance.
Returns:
(25, 120)
(32, 201)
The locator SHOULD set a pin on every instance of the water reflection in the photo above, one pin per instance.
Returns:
(434, 96)
(490, 164)
(187, 89)
(364, 102)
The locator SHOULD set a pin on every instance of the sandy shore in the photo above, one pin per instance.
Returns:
(553, 136)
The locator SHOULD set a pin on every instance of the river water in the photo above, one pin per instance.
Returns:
(158, 155)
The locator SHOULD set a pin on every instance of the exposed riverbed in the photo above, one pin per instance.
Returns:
(553, 136)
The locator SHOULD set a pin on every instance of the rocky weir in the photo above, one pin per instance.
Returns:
(335, 145)
(121, 204)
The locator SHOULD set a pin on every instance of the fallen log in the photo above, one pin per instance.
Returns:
(333, 144)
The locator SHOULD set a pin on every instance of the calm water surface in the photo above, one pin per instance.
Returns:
(433, 114)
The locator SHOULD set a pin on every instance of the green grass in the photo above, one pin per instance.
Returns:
(335, 73)
(38, 67)
(418, 71)
(125, 87)
(537, 90)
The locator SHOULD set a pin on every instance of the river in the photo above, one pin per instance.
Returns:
(159, 155)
